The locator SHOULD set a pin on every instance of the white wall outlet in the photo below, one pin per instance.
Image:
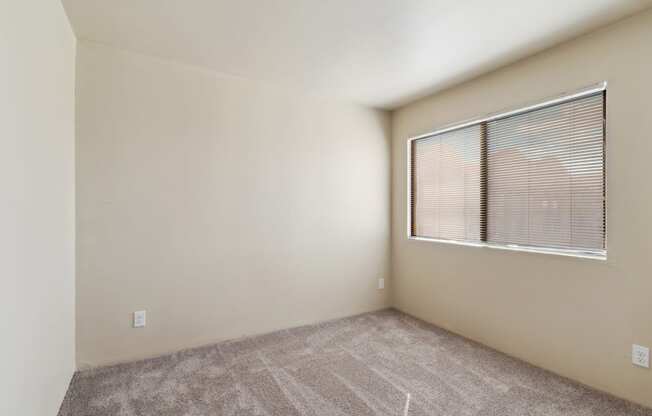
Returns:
(640, 356)
(381, 283)
(140, 319)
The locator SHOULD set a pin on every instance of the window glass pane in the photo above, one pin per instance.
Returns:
(446, 185)
(546, 176)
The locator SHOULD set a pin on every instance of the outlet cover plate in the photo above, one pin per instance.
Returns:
(641, 356)
(140, 319)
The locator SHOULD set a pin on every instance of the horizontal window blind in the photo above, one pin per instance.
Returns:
(446, 185)
(533, 179)
(546, 176)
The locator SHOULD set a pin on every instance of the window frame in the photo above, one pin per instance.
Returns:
(559, 99)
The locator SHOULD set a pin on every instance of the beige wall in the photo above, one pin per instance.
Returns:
(37, 207)
(221, 206)
(575, 317)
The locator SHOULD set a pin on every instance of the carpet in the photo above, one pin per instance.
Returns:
(380, 363)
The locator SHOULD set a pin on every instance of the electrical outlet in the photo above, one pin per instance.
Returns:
(140, 319)
(640, 356)
(381, 283)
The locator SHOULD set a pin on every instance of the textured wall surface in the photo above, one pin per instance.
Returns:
(37, 207)
(221, 206)
(576, 317)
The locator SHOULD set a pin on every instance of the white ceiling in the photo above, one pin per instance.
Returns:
(381, 53)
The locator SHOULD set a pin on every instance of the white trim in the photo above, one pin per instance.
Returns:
(409, 189)
(594, 255)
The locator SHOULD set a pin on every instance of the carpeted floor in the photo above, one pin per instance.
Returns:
(382, 363)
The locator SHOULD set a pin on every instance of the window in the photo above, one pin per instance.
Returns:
(532, 179)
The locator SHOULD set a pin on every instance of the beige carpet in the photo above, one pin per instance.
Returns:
(382, 363)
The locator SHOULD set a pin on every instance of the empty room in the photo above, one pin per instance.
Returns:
(326, 207)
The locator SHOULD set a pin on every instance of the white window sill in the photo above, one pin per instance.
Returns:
(594, 255)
